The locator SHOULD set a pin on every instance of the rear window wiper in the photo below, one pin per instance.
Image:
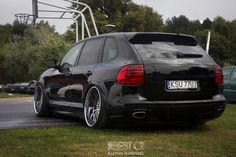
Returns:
(184, 55)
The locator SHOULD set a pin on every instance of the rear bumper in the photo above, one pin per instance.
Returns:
(188, 110)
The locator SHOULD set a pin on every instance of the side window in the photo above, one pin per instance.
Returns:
(227, 72)
(90, 52)
(70, 57)
(233, 76)
(110, 50)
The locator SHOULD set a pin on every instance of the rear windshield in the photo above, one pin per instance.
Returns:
(168, 50)
(163, 47)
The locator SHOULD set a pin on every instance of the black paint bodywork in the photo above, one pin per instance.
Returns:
(67, 90)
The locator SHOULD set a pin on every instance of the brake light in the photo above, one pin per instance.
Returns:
(131, 75)
(219, 77)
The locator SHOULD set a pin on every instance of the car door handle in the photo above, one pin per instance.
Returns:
(89, 73)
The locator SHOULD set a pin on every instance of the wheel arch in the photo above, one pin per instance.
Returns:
(44, 109)
(41, 83)
(102, 89)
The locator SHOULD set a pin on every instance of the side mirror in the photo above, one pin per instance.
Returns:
(52, 63)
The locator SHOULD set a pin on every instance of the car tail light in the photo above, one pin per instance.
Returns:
(219, 77)
(131, 75)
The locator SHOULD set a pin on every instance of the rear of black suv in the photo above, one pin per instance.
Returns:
(175, 81)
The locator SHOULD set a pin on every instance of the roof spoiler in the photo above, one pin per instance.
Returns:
(148, 38)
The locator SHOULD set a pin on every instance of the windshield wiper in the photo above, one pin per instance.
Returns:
(184, 55)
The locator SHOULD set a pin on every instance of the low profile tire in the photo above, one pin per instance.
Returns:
(94, 109)
(41, 108)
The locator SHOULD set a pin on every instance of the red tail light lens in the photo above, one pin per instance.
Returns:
(131, 75)
(219, 77)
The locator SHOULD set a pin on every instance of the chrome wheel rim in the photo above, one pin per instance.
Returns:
(92, 106)
(38, 99)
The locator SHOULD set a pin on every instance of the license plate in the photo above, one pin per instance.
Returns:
(182, 84)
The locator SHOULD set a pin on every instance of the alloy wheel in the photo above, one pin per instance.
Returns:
(92, 106)
(38, 99)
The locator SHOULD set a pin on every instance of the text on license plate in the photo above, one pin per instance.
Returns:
(179, 84)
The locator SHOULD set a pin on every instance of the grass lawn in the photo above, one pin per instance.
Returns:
(215, 139)
(13, 95)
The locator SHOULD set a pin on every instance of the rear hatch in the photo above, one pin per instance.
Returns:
(176, 67)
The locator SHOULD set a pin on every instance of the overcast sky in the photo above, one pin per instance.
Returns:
(193, 9)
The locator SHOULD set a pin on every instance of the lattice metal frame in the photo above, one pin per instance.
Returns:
(78, 12)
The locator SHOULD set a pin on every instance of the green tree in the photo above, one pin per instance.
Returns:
(219, 46)
(207, 23)
(195, 25)
(183, 25)
(179, 24)
(125, 15)
(231, 27)
(219, 25)
(2, 68)
(44, 44)
(142, 19)
(5, 34)
(23, 57)
(16, 62)
(18, 28)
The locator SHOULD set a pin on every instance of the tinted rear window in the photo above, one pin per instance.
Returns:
(167, 46)
(167, 50)
(90, 52)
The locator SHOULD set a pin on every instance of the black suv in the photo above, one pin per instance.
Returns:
(154, 77)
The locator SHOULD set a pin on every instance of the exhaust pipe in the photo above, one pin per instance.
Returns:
(139, 114)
